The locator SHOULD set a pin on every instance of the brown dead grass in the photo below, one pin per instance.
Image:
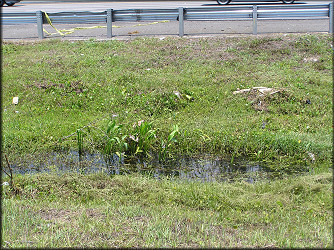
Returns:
(66, 215)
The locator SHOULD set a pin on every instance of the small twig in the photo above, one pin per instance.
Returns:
(6, 172)
(83, 127)
(270, 246)
(100, 130)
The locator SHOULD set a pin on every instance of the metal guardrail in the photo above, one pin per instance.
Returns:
(77, 17)
(253, 12)
(18, 18)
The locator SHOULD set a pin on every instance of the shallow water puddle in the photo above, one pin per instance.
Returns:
(206, 168)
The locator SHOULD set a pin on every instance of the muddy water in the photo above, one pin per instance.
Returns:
(204, 168)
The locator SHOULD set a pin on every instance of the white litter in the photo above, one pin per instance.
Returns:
(312, 156)
(15, 100)
(178, 94)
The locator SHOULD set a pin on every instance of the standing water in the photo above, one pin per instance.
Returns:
(205, 168)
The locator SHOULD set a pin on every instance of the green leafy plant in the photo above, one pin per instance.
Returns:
(116, 142)
(141, 139)
(166, 145)
(189, 95)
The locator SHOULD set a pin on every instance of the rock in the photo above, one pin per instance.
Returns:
(262, 90)
(310, 59)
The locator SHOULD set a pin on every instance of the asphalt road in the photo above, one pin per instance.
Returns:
(125, 30)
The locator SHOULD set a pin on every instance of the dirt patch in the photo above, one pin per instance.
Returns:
(94, 213)
(259, 97)
(66, 215)
(273, 100)
(76, 87)
(52, 214)
(173, 51)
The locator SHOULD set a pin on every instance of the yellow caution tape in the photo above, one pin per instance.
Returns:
(64, 32)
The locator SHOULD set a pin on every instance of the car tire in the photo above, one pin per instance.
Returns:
(288, 1)
(223, 2)
(2, 2)
(10, 3)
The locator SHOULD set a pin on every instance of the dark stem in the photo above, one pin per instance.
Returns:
(10, 171)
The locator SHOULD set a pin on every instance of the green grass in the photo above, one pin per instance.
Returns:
(103, 88)
(72, 210)
(66, 85)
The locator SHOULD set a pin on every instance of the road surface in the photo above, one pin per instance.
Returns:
(128, 30)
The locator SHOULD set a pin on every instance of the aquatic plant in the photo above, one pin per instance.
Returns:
(116, 142)
(141, 139)
(80, 142)
(165, 145)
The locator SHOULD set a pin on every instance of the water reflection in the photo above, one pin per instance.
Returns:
(206, 168)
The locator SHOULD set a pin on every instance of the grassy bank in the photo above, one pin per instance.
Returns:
(169, 97)
(97, 210)
(64, 86)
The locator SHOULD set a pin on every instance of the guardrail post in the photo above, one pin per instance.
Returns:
(109, 23)
(331, 18)
(181, 22)
(254, 19)
(39, 16)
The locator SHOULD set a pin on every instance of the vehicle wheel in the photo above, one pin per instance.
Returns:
(223, 1)
(10, 3)
(288, 1)
(2, 2)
